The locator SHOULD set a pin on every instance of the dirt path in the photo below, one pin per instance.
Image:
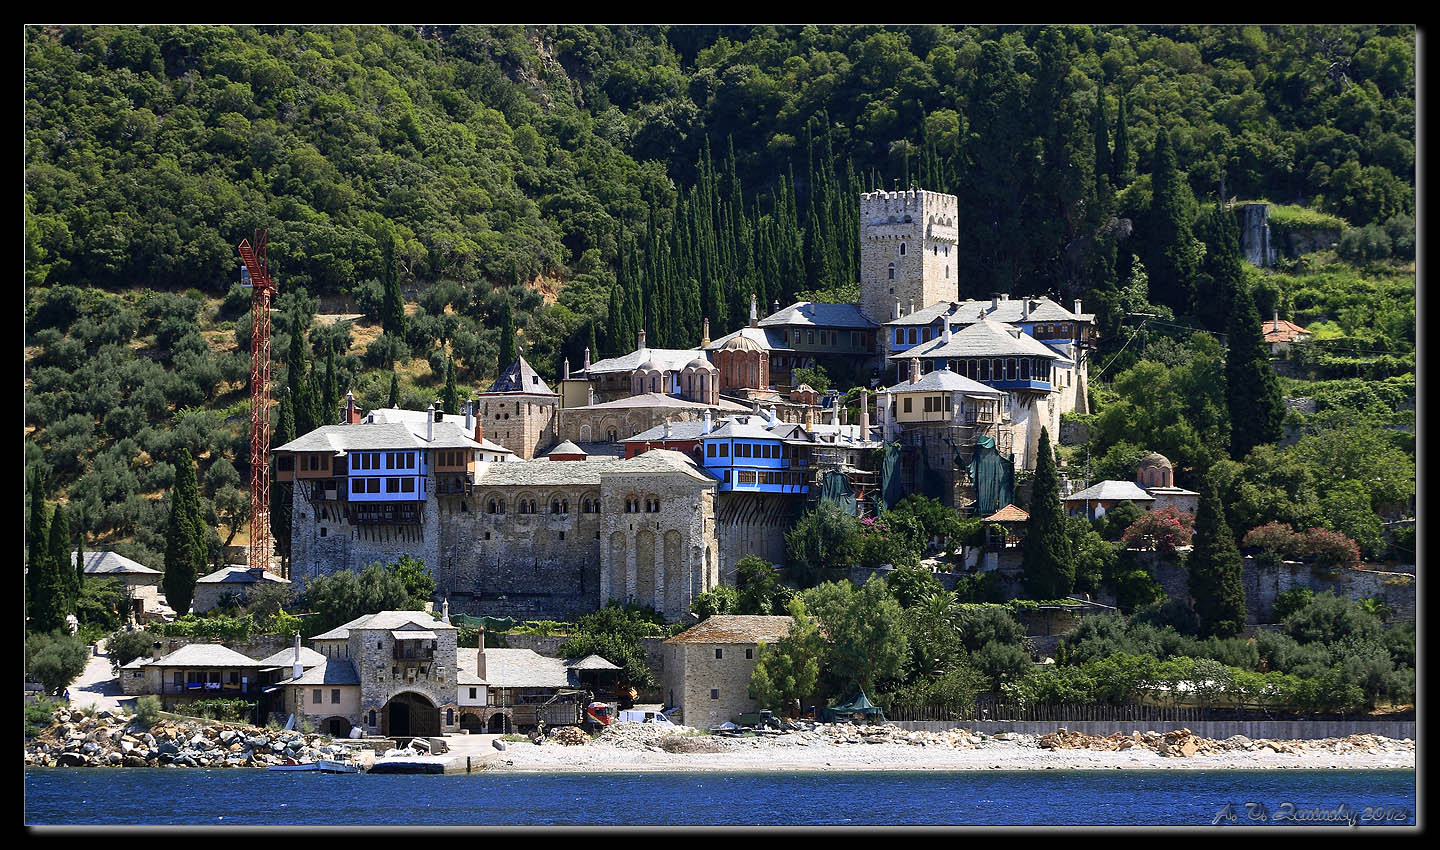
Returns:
(97, 686)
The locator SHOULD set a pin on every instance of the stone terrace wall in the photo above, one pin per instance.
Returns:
(259, 646)
(1285, 730)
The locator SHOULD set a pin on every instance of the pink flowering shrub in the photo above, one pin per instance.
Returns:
(1331, 549)
(1277, 538)
(1162, 530)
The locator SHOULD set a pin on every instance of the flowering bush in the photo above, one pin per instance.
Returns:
(1162, 530)
(1277, 538)
(1331, 549)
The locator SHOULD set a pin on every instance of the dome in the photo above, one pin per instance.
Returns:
(1155, 459)
(648, 366)
(700, 363)
(740, 342)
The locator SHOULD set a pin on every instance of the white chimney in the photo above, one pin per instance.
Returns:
(640, 344)
(587, 361)
(754, 312)
(565, 369)
(705, 428)
(430, 424)
(945, 330)
(1277, 320)
(480, 656)
(469, 417)
(1077, 307)
(897, 308)
(298, 669)
(994, 301)
(912, 308)
(771, 422)
(667, 429)
(704, 332)
(864, 414)
(445, 611)
(1025, 309)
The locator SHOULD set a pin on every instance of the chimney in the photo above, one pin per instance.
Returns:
(897, 308)
(755, 405)
(352, 413)
(667, 428)
(1004, 296)
(704, 332)
(770, 420)
(586, 368)
(1077, 307)
(297, 668)
(565, 369)
(844, 415)
(705, 428)
(1025, 310)
(914, 369)
(912, 308)
(1277, 320)
(480, 656)
(430, 424)
(590, 395)
(469, 416)
(445, 612)
(479, 429)
(775, 306)
(754, 313)
(640, 343)
(945, 331)
(156, 652)
(994, 301)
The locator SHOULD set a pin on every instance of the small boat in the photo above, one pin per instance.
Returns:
(321, 766)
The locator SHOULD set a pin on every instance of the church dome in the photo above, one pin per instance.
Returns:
(1155, 459)
(740, 342)
(648, 366)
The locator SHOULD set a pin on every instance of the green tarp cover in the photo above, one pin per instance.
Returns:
(993, 475)
(836, 490)
(858, 704)
(490, 624)
(890, 489)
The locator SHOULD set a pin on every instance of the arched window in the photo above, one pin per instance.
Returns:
(490, 508)
(892, 271)
(449, 717)
(463, 508)
(372, 717)
(554, 506)
(902, 249)
(610, 434)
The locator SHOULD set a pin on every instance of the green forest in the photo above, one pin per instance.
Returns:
(464, 190)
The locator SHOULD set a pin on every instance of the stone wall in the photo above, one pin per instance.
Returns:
(1264, 584)
(583, 425)
(695, 665)
(752, 524)
(922, 276)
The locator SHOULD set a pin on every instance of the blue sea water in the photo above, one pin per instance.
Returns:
(1113, 797)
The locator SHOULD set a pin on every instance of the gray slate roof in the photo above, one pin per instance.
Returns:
(520, 377)
(590, 662)
(667, 359)
(109, 563)
(542, 472)
(985, 338)
(1111, 491)
(332, 671)
(517, 668)
(656, 400)
(754, 427)
(566, 448)
(386, 621)
(207, 655)
(944, 380)
(286, 657)
(380, 435)
(818, 315)
(1010, 311)
(239, 575)
(767, 339)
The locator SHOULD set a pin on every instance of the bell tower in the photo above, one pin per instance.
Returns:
(907, 251)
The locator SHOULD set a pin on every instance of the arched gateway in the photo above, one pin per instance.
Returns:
(410, 713)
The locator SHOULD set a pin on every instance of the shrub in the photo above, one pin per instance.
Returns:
(1162, 530)
(1276, 538)
(39, 715)
(1330, 549)
(721, 600)
(1289, 601)
(1328, 618)
(1135, 588)
(147, 710)
(55, 659)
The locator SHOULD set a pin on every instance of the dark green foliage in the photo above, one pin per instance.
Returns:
(614, 633)
(54, 659)
(392, 306)
(1047, 559)
(1221, 272)
(393, 400)
(98, 603)
(450, 398)
(909, 585)
(1252, 390)
(1001, 662)
(282, 496)
(865, 632)
(986, 624)
(413, 574)
(720, 600)
(756, 585)
(126, 646)
(507, 338)
(1287, 602)
(344, 595)
(825, 537)
(44, 592)
(1215, 568)
(185, 536)
(1328, 618)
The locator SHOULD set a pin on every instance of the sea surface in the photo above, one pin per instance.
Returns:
(242, 797)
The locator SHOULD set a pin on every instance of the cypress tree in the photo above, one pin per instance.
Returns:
(614, 327)
(1215, 584)
(1252, 390)
(1100, 127)
(296, 379)
(184, 550)
(282, 496)
(1170, 258)
(394, 398)
(80, 524)
(1047, 562)
(1120, 161)
(392, 308)
(507, 338)
(590, 342)
(1222, 270)
(63, 559)
(450, 399)
(330, 394)
(43, 586)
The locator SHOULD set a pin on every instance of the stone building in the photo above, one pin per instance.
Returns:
(229, 583)
(140, 582)
(708, 667)
(519, 410)
(907, 250)
(1157, 476)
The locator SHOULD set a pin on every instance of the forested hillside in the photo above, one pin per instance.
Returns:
(562, 187)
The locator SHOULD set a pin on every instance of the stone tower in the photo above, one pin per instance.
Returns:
(519, 411)
(907, 251)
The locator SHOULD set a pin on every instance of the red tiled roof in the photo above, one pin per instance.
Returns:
(1009, 513)
(1282, 331)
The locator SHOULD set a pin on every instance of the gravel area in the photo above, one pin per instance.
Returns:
(637, 747)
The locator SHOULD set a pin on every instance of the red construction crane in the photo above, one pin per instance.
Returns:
(256, 275)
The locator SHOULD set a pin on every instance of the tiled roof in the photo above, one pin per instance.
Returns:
(944, 380)
(1009, 513)
(385, 620)
(1009, 311)
(341, 632)
(1108, 491)
(1282, 331)
(239, 575)
(566, 448)
(984, 338)
(286, 657)
(591, 662)
(646, 400)
(736, 628)
(666, 359)
(380, 435)
(756, 427)
(686, 430)
(520, 377)
(816, 314)
(543, 472)
(109, 563)
(331, 671)
(517, 668)
(207, 655)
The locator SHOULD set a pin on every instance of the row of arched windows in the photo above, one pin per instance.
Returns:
(557, 506)
(652, 505)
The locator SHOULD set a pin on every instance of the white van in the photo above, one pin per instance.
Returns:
(644, 716)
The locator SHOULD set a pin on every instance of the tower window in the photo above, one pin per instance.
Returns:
(892, 274)
(902, 249)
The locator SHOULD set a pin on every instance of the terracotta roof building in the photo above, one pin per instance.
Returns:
(708, 666)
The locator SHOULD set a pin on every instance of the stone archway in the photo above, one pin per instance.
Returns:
(337, 727)
(471, 722)
(410, 713)
(498, 724)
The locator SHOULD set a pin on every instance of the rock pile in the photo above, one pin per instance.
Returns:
(1182, 743)
(106, 739)
(640, 736)
(570, 736)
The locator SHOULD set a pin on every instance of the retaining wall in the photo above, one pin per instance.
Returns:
(1285, 730)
